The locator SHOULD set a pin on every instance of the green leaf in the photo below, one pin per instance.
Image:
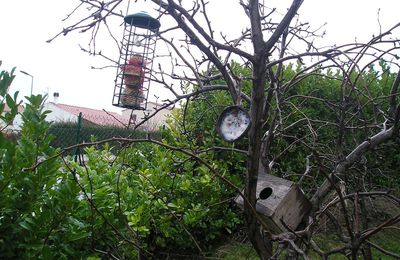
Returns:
(25, 225)
(78, 236)
(10, 102)
(2, 105)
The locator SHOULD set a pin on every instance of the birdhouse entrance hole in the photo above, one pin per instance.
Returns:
(265, 193)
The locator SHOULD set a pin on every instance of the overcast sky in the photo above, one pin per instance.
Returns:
(60, 66)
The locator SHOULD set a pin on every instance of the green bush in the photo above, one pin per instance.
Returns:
(42, 211)
(143, 196)
(168, 200)
(37, 200)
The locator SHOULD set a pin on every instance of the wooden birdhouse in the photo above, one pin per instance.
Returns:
(136, 61)
(279, 200)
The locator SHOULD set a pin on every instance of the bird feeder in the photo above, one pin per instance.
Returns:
(135, 62)
(280, 203)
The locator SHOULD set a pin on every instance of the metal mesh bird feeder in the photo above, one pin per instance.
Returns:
(136, 61)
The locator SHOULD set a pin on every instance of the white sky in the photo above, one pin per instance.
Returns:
(60, 66)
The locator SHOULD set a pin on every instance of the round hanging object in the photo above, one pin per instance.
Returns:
(142, 20)
(233, 123)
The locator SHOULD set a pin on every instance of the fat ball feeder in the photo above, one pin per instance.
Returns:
(135, 61)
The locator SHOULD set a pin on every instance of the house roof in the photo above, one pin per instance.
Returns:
(153, 106)
(98, 117)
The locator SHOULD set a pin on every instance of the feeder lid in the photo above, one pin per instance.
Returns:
(142, 20)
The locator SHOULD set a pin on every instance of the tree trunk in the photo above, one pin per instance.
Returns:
(262, 246)
(366, 249)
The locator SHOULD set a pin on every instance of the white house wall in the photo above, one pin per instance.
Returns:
(153, 123)
(17, 122)
(59, 115)
(14, 126)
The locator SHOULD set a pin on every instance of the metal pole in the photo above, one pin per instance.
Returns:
(78, 136)
(26, 73)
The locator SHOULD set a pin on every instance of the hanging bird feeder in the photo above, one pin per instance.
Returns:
(136, 61)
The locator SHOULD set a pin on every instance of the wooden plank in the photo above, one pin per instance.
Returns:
(292, 208)
(286, 202)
